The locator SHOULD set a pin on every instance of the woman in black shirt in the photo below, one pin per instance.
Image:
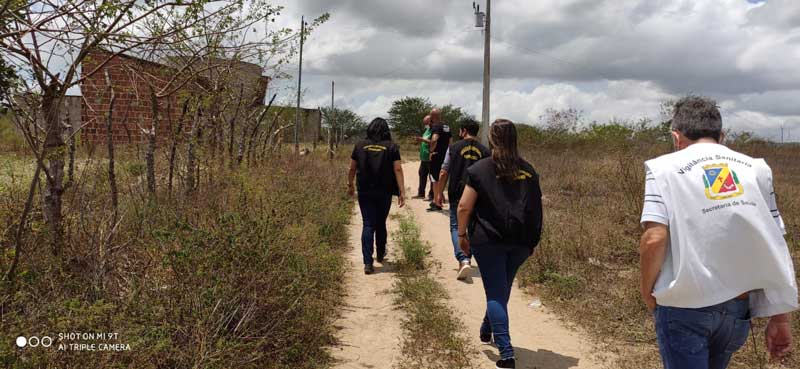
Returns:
(500, 223)
(376, 164)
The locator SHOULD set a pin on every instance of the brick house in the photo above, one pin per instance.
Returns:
(132, 79)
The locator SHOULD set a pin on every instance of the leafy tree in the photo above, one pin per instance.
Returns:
(453, 115)
(562, 121)
(47, 42)
(345, 122)
(406, 115)
(7, 75)
(7, 81)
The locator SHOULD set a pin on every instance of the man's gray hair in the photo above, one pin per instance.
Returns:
(697, 117)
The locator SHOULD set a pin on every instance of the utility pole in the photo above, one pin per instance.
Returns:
(782, 124)
(487, 54)
(330, 123)
(299, 86)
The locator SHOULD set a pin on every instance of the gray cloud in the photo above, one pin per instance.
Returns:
(781, 14)
(415, 18)
(735, 51)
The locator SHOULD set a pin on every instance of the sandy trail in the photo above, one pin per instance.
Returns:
(369, 335)
(540, 339)
(370, 326)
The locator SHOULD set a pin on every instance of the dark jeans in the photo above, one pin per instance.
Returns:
(374, 211)
(704, 338)
(460, 256)
(498, 267)
(424, 171)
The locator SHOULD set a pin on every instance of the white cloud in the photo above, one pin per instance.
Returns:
(611, 59)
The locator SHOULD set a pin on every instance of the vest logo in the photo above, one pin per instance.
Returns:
(375, 148)
(471, 153)
(523, 175)
(721, 182)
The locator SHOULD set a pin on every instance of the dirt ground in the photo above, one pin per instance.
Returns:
(370, 333)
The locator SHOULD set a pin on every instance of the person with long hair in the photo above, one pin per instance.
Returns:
(500, 224)
(375, 163)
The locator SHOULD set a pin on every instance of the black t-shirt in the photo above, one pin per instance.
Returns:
(375, 169)
(463, 154)
(508, 213)
(442, 142)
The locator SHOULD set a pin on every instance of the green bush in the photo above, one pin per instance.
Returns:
(10, 139)
(246, 274)
(414, 250)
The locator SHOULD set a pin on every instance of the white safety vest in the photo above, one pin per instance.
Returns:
(722, 236)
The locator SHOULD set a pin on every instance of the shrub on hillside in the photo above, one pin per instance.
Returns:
(246, 275)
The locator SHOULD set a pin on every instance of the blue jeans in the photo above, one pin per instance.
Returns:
(498, 268)
(704, 338)
(460, 256)
(374, 211)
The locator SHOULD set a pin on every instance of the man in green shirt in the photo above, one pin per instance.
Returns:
(425, 159)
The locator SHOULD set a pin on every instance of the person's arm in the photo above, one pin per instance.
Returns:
(398, 174)
(464, 213)
(351, 176)
(439, 192)
(538, 215)
(423, 139)
(652, 252)
(433, 142)
(779, 336)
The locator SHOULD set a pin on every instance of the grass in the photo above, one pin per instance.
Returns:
(587, 264)
(9, 139)
(246, 273)
(433, 337)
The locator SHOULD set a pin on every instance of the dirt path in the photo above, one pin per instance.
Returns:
(540, 340)
(370, 332)
(370, 326)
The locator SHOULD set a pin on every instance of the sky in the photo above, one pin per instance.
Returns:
(611, 59)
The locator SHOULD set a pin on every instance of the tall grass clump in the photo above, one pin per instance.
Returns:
(432, 335)
(245, 272)
(414, 250)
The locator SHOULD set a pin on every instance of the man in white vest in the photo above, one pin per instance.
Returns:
(712, 254)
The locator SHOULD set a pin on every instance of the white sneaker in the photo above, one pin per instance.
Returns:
(463, 271)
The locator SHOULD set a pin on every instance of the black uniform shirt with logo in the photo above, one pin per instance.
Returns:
(442, 142)
(375, 167)
(508, 213)
(463, 154)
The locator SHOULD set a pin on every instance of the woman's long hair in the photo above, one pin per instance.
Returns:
(378, 130)
(503, 139)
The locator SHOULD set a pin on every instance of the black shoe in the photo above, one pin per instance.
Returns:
(369, 269)
(506, 364)
(381, 258)
(434, 207)
(486, 339)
